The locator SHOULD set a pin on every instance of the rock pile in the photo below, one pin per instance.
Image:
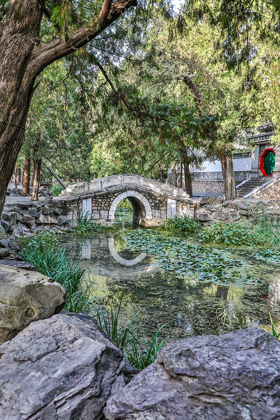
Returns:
(234, 376)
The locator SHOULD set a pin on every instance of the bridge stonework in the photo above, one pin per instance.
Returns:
(153, 202)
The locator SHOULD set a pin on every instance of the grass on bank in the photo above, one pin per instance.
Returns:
(47, 256)
(264, 231)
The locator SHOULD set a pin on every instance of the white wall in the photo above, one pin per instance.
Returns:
(239, 164)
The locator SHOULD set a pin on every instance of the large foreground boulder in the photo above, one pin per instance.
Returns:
(58, 368)
(26, 296)
(230, 377)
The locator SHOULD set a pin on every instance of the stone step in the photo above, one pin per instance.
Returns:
(250, 185)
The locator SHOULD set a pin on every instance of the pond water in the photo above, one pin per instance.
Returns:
(193, 288)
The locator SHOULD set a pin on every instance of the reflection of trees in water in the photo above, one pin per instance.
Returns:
(192, 308)
(189, 307)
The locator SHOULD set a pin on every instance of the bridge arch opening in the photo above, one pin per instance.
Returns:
(141, 207)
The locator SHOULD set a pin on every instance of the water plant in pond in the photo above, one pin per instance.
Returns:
(274, 332)
(85, 225)
(268, 255)
(181, 225)
(228, 234)
(189, 260)
(45, 253)
(108, 320)
(262, 232)
(137, 351)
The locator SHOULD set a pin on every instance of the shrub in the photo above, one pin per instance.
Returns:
(57, 189)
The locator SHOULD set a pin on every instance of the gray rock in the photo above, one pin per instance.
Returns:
(61, 220)
(47, 211)
(19, 217)
(204, 217)
(59, 368)
(4, 243)
(34, 213)
(56, 212)
(47, 219)
(221, 216)
(5, 225)
(4, 252)
(2, 232)
(28, 220)
(10, 217)
(19, 229)
(232, 377)
(26, 296)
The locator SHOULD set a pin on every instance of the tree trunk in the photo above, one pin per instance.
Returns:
(172, 176)
(161, 174)
(17, 177)
(37, 179)
(188, 178)
(228, 176)
(23, 55)
(26, 177)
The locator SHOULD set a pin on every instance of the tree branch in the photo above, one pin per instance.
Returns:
(45, 54)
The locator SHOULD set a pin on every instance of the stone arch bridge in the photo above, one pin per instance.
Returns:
(152, 201)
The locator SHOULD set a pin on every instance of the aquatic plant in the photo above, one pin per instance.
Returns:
(261, 232)
(267, 230)
(84, 225)
(189, 260)
(227, 233)
(181, 225)
(48, 257)
(274, 332)
(109, 321)
(141, 354)
(138, 352)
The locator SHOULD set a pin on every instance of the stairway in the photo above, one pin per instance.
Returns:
(250, 185)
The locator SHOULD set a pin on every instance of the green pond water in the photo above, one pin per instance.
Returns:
(195, 289)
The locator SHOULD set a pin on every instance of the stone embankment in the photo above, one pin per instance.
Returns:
(214, 209)
(22, 217)
(63, 367)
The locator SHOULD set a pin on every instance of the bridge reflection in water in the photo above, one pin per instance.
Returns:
(190, 307)
(106, 261)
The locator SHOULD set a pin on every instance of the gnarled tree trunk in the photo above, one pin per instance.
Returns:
(37, 178)
(26, 177)
(23, 55)
(228, 176)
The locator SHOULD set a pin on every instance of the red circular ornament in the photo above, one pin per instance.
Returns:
(267, 162)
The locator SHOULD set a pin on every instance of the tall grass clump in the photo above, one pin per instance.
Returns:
(227, 233)
(84, 225)
(47, 256)
(138, 352)
(181, 225)
(267, 230)
(264, 231)
(274, 332)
